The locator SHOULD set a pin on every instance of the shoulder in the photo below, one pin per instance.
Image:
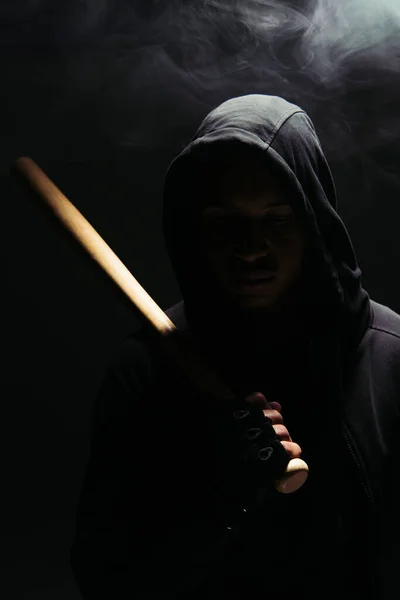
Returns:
(385, 321)
(177, 315)
(139, 359)
(382, 339)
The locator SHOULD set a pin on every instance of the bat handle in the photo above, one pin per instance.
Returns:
(294, 477)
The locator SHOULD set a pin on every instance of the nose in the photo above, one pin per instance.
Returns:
(251, 254)
(253, 246)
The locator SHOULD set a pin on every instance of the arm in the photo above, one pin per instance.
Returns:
(142, 529)
(143, 520)
(117, 514)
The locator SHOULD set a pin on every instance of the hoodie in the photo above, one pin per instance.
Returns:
(324, 373)
(306, 378)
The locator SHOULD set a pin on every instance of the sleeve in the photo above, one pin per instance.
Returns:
(149, 522)
(117, 516)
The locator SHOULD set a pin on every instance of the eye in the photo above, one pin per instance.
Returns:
(222, 228)
(288, 218)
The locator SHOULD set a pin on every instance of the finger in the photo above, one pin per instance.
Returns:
(257, 398)
(274, 415)
(282, 432)
(292, 449)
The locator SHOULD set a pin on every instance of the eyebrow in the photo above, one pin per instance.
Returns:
(226, 211)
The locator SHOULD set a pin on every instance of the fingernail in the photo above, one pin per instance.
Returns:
(256, 397)
(275, 405)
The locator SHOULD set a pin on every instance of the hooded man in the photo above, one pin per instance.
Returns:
(272, 295)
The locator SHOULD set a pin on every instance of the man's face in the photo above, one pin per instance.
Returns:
(254, 245)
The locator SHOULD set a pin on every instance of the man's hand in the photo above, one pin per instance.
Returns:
(271, 410)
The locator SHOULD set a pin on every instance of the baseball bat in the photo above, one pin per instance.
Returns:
(203, 376)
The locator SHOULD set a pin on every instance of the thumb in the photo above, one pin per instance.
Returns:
(260, 400)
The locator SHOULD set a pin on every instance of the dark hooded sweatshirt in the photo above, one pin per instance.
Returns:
(149, 522)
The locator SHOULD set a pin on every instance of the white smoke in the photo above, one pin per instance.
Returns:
(344, 34)
(332, 34)
(184, 58)
(145, 73)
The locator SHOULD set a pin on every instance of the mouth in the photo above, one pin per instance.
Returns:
(254, 281)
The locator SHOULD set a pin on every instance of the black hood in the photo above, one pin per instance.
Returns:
(282, 136)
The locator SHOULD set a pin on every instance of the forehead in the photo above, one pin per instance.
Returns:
(247, 187)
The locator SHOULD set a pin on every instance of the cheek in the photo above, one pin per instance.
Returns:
(294, 255)
(219, 263)
(219, 253)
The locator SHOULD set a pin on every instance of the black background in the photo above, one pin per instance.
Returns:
(103, 94)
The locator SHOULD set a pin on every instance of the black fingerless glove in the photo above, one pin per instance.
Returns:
(249, 455)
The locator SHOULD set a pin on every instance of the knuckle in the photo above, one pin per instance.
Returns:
(274, 415)
(282, 432)
(292, 449)
(256, 398)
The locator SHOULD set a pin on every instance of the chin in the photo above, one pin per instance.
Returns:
(254, 300)
(255, 303)
(258, 302)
